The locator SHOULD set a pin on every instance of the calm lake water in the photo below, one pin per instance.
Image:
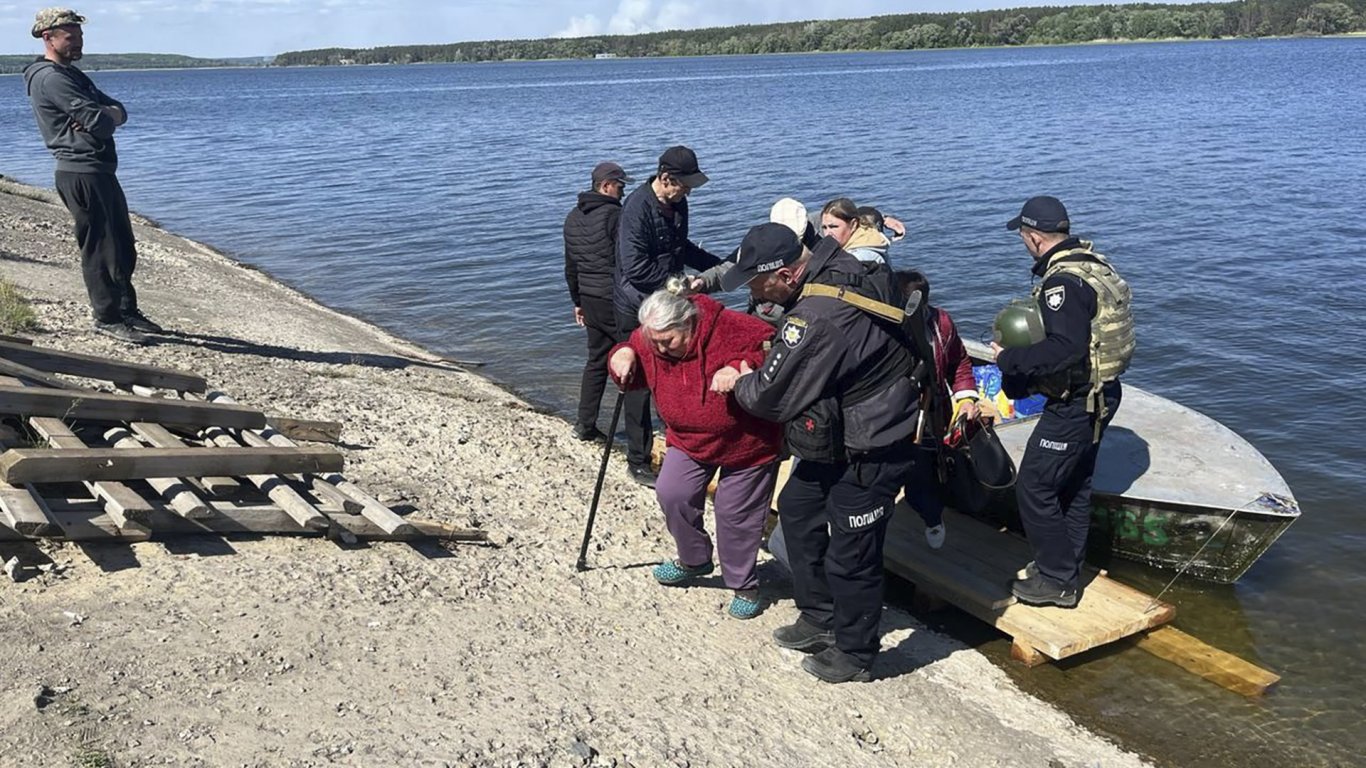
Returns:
(1226, 179)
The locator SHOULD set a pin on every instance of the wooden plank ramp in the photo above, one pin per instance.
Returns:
(1218, 667)
(974, 570)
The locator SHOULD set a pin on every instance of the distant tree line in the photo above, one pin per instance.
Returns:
(10, 64)
(1016, 26)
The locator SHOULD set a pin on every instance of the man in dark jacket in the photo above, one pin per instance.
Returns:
(653, 244)
(77, 122)
(841, 381)
(590, 254)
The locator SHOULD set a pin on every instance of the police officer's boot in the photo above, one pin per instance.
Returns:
(804, 636)
(1038, 589)
(835, 666)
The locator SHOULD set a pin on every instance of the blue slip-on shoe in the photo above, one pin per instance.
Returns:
(744, 606)
(672, 572)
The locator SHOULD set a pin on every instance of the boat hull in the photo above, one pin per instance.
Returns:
(1173, 489)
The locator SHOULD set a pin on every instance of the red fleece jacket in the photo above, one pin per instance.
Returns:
(710, 427)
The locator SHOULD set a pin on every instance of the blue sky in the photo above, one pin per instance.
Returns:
(262, 27)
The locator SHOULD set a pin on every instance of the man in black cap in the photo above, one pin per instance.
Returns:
(839, 378)
(77, 122)
(652, 245)
(1088, 343)
(590, 255)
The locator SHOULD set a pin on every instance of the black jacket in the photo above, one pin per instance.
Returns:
(1067, 304)
(590, 246)
(651, 245)
(828, 348)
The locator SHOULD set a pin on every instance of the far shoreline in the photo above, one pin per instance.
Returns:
(1082, 43)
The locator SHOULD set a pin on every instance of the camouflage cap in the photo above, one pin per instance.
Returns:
(49, 18)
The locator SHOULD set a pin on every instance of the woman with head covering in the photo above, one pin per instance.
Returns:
(687, 352)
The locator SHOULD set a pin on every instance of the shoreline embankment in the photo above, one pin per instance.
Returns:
(303, 652)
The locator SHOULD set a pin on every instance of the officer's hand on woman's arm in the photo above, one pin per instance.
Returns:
(623, 364)
(724, 379)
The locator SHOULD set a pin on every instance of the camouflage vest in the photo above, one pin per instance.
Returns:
(1112, 329)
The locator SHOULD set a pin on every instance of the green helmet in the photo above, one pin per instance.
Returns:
(1019, 324)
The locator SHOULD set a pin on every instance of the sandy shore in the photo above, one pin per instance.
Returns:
(297, 652)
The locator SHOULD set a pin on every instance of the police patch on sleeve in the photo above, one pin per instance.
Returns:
(793, 331)
(1053, 297)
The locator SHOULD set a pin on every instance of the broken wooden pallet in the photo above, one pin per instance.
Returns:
(146, 481)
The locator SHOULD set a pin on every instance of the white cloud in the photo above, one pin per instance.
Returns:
(582, 26)
(633, 17)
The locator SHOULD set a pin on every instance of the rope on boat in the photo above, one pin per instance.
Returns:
(1193, 557)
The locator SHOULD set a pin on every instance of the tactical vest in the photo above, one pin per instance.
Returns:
(1112, 329)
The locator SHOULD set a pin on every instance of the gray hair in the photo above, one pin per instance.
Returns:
(663, 311)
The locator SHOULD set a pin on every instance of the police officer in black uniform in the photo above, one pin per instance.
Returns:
(839, 378)
(1054, 484)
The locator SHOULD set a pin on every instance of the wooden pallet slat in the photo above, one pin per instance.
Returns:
(83, 520)
(20, 371)
(161, 437)
(98, 406)
(101, 368)
(21, 509)
(371, 508)
(123, 503)
(38, 465)
(174, 490)
(1221, 668)
(276, 488)
(309, 430)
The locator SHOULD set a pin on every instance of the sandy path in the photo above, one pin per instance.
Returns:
(289, 652)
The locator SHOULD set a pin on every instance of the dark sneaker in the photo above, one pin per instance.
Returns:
(120, 331)
(588, 433)
(803, 636)
(835, 666)
(140, 322)
(643, 476)
(1041, 590)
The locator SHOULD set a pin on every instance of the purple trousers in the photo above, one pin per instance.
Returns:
(743, 497)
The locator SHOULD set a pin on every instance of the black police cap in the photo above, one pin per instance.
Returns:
(1044, 213)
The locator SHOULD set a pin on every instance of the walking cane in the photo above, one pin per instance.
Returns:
(597, 489)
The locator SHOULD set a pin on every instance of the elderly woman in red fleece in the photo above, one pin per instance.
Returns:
(688, 352)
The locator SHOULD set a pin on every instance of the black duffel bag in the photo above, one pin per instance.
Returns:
(974, 467)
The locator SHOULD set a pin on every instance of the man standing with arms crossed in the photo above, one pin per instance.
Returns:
(77, 122)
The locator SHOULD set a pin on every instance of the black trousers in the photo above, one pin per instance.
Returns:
(834, 519)
(1053, 488)
(635, 411)
(600, 321)
(105, 236)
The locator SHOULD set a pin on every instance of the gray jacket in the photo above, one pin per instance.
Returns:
(62, 98)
